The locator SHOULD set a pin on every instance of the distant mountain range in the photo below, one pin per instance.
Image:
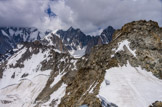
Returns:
(73, 40)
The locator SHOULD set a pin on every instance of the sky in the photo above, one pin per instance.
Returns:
(89, 15)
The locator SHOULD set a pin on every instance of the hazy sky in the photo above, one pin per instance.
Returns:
(88, 15)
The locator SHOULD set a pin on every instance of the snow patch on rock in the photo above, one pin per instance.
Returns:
(57, 79)
(4, 33)
(125, 43)
(56, 96)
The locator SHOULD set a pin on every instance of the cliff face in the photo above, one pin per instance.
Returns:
(52, 78)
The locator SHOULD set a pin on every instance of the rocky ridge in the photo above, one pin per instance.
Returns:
(144, 41)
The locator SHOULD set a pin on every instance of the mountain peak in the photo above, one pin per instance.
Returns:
(71, 29)
(110, 27)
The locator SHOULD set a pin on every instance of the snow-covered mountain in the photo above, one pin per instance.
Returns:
(73, 40)
(76, 42)
(125, 72)
(11, 36)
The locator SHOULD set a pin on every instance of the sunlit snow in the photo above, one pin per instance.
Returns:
(131, 87)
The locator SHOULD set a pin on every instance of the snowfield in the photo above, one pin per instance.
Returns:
(24, 93)
(21, 91)
(130, 87)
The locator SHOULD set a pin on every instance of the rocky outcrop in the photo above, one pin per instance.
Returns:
(144, 47)
(54, 40)
(156, 104)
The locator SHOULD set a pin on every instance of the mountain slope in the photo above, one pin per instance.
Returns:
(26, 68)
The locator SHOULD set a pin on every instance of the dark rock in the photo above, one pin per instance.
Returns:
(156, 104)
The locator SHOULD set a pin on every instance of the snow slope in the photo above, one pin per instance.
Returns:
(21, 86)
(130, 87)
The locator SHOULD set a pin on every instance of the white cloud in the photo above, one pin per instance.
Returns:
(88, 15)
(91, 14)
(21, 12)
